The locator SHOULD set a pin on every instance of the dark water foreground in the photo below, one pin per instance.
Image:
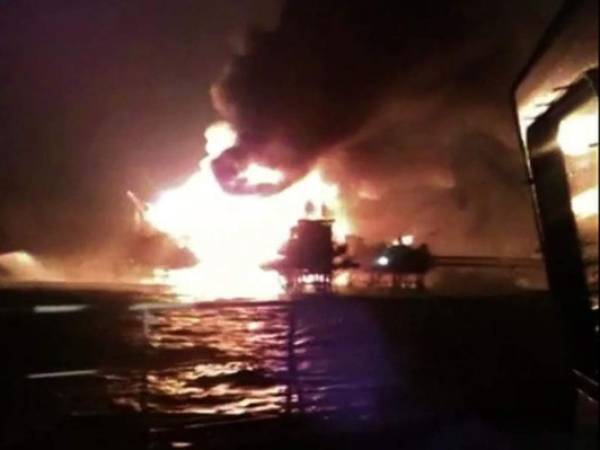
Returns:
(97, 369)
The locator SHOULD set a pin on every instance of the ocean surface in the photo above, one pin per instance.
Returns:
(350, 362)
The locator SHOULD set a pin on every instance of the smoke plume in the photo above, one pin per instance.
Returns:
(21, 266)
(407, 105)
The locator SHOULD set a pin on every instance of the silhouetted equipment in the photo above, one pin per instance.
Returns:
(310, 256)
(408, 265)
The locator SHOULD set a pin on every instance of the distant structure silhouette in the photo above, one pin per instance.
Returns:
(406, 264)
(310, 257)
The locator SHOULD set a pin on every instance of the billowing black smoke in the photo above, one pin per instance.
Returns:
(314, 81)
(405, 104)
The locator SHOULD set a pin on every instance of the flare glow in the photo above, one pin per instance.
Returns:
(231, 235)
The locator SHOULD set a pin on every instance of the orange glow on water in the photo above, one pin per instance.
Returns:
(232, 236)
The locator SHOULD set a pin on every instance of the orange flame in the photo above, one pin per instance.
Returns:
(232, 236)
(256, 174)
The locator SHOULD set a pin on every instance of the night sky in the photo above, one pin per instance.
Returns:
(100, 97)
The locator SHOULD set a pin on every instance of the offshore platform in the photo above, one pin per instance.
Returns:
(403, 265)
(310, 257)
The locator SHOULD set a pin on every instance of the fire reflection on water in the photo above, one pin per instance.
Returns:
(214, 364)
(247, 362)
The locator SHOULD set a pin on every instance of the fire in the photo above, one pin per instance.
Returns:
(256, 174)
(219, 137)
(232, 236)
